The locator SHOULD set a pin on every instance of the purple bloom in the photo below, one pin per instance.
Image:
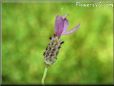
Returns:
(61, 25)
(51, 52)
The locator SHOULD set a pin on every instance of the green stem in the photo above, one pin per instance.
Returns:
(44, 75)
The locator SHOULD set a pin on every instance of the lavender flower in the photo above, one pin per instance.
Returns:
(61, 25)
(50, 54)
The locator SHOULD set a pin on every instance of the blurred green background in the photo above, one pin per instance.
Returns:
(86, 57)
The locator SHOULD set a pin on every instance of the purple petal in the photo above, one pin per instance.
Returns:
(72, 30)
(59, 25)
(66, 24)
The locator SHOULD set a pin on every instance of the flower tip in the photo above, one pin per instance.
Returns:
(64, 16)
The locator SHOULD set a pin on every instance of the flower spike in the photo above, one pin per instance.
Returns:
(52, 50)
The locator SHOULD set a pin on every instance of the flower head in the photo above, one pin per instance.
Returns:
(50, 54)
(61, 25)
